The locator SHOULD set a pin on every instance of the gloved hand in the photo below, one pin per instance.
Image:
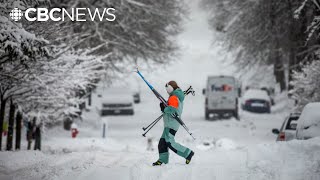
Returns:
(162, 106)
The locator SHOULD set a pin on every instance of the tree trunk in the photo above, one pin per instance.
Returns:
(292, 44)
(31, 125)
(18, 130)
(2, 113)
(292, 63)
(89, 99)
(282, 79)
(10, 127)
(279, 70)
(37, 136)
(37, 143)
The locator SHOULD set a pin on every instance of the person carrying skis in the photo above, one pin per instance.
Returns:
(171, 126)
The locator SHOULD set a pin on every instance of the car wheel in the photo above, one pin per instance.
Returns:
(207, 115)
(131, 112)
(269, 111)
(236, 114)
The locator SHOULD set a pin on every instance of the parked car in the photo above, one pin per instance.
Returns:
(309, 122)
(257, 101)
(136, 97)
(287, 131)
(117, 101)
(221, 96)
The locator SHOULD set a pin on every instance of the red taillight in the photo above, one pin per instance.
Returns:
(282, 136)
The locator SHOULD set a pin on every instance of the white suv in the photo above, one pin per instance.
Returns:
(287, 131)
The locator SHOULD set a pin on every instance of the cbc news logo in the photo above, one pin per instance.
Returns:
(16, 14)
(60, 14)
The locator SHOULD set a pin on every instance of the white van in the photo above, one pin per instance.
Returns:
(221, 96)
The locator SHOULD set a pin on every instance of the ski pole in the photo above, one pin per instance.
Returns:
(189, 90)
(155, 121)
(158, 119)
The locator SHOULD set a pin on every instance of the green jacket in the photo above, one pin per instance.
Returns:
(175, 103)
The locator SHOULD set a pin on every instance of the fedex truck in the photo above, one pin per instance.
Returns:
(221, 96)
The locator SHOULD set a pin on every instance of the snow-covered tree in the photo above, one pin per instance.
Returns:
(44, 66)
(53, 87)
(143, 29)
(262, 32)
(19, 50)
(307, 84)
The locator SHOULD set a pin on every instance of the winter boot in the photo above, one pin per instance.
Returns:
(188, 159)
(158, 163)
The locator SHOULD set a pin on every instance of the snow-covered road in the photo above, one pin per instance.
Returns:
(225, 150)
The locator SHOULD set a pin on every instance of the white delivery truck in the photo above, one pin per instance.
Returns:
(221, 96)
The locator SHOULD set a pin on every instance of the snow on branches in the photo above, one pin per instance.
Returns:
(307, 84)
(48, 67)
(315, 24)
(16, 43)
(54, 87)
(143, 29)
(297, 12)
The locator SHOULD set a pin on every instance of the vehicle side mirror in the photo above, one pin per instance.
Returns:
(275, 131)
(203, 91)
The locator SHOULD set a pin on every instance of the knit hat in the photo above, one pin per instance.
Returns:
(171, 86)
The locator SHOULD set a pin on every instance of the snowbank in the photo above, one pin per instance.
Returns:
(68, 145)
(226, 144)
(294, 160)
(285, 160)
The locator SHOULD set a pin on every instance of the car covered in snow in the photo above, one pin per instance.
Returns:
(221, 96)
(287, 131)
(257, 101)
(309, 122)
(117, 101)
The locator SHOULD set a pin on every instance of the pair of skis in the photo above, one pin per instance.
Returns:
(161, 99)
